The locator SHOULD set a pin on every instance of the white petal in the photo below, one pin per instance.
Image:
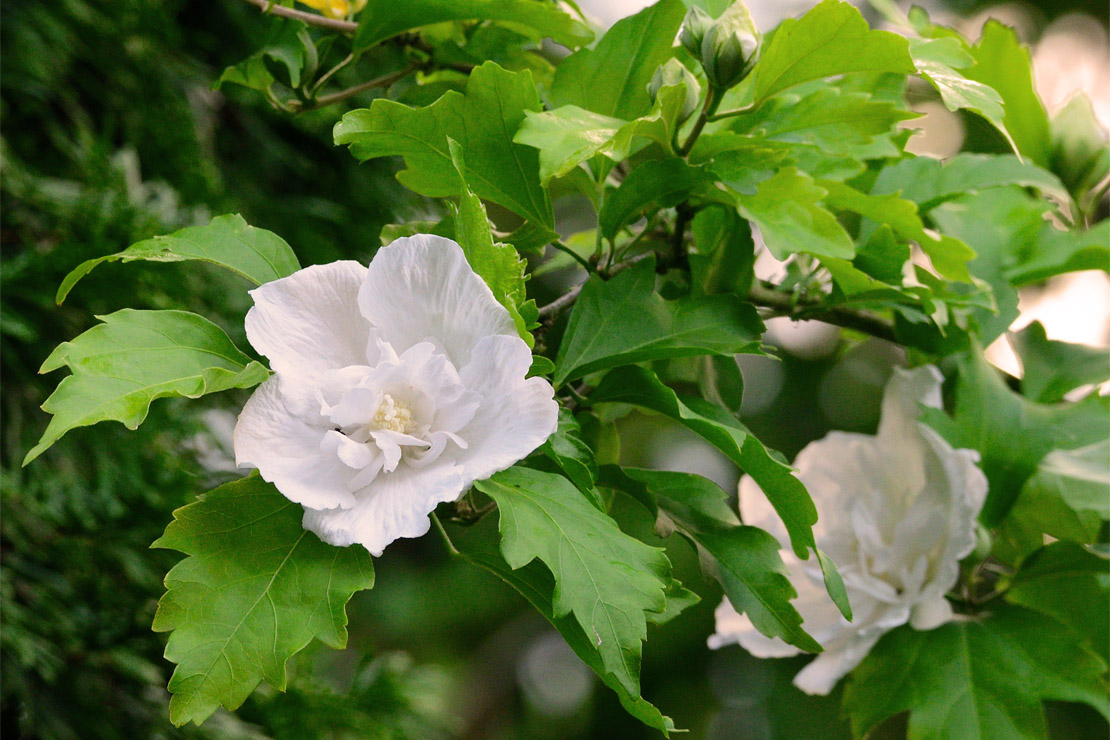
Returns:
(517, 415)
(287, 451)
(906, 392)
(735, 628)
(420, 288)
(821, 675)
(927, 615)
(394, 505)
(309, 323)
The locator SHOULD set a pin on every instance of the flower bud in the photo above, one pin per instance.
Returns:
(673, 74)
(730, 46)
(694, 27)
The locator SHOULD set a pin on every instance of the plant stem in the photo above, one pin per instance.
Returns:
(383, 81)
(311, 19)
(443, 533)
(730, 113)
(328, 75)
(577, 257)
(557, 305)
(712, 100)
(867, 323)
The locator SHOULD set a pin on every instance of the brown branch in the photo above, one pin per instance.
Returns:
(311, 19)
(783, 305)
(335, 97)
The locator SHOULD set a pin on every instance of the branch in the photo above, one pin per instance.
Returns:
(862, 321)
(383, 81)
(311, 19)
(557, 305)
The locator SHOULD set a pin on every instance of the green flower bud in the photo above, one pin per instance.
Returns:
(730, 47)
(694, 27)
(984, 543)
(672, 74)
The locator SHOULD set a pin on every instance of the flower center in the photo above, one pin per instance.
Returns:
(392, 415)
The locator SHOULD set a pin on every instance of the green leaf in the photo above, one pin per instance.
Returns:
(656, 183)
(751, 569)
(786, 209)
(1071, 584)
(612, 78)
(1011, 434)
(1051, 369)
(570, 135)
(851, 124)
(483, 121)
(1054, 252)
(1003, 64)
(623, 320)
(608, 580)
(975, 680)
(929, 182)
(131, 359)
(937, 61)
(1081, 477)
(285, 54)
(535, 583)
(948, 254)
(569, 451)
(386, 18)
(1079, 148)
(254, 591)
(258, 255)
(640, 387)
(831, 39)
(499, 265)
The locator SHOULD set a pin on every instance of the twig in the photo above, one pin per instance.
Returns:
(568, 298)
(577, 257)
(557, 305)
(383, 81)
(443, 533)
(311, 19)
(858, 320)
(712, 100)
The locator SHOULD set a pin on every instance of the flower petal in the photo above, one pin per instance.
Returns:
(906, 392)
(420, 288)
(394, 505)
(288, 452)
(823, 673)
(309, 323)
(517, 415)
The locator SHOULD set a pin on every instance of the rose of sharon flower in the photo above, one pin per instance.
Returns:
(897, 513)
(395, 387)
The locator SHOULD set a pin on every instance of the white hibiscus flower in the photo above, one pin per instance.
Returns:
(395, 387)
(897, 512)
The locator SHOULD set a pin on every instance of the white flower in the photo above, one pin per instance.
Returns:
(396, 387)
(897, 513)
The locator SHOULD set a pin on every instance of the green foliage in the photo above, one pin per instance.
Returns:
(789, 215)
(831, 39)
(133, 358)
(1012, 434)
(640, 387)
(609, 581)
(571, 453)
(747, 558)
(612, 78)
(382, 19)
(1071, 584)
(536, 584)
(256, 254)
(497, 169)
(979, 680)
(255, 589)
(1003, 63)
(1051, 369)
(498, 264)
(623, 321)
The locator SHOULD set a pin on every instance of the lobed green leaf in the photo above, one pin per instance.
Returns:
(134, 357)
(228, 241)
(255, 589)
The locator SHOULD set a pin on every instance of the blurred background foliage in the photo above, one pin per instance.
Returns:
(111, 134)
